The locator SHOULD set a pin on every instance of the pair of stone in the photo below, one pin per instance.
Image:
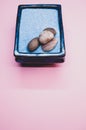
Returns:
(46, 39)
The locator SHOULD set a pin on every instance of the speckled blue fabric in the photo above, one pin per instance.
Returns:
(32, 23)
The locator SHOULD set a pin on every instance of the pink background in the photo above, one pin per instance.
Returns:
(49, 97)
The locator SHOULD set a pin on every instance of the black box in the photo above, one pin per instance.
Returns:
(31, 20)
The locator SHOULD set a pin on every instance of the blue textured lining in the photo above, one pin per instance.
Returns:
(32, 22)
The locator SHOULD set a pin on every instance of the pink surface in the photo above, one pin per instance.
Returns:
(50, 97)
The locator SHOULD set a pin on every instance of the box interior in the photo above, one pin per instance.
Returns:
(32, 22)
